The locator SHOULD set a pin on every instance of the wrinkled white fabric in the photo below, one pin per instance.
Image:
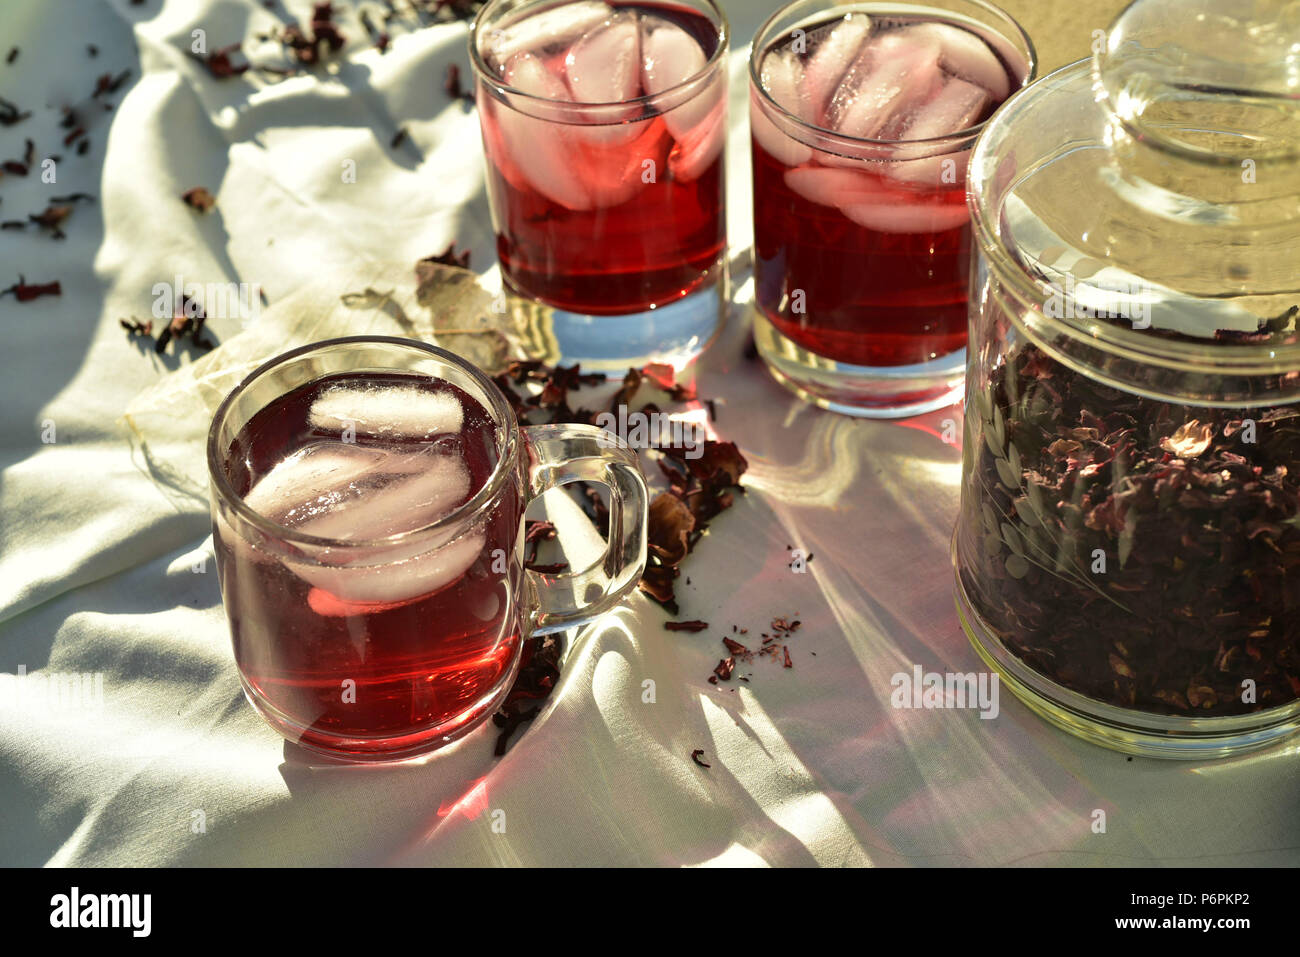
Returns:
(809, 765)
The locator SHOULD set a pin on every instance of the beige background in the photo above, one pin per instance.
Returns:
(1062, 32)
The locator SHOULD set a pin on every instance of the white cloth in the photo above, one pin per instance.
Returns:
(810, 765)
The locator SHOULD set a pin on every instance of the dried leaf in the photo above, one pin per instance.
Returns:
(1191, 439)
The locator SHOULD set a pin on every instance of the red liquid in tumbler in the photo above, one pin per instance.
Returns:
(867, 261)
(428, 634)
(625, 215)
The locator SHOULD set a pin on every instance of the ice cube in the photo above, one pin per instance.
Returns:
(387, 411)
(906, 217)
(779, 146)
(833, 187)
(670, 56)
(309, 475)
(965, 55)
(891, 75)
(957, 107)
(558, 26)
(605, 65)
(696, 151)
(410, 491)
(633, 124)
(831, 57)
(781, 75)
(540, 149)
(928, 172)
(495, 145)
(366, 588)
(868, 202)
(613, 174)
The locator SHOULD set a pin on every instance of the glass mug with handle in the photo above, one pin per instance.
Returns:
(368, 498)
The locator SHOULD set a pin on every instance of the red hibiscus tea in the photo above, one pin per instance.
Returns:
(862, 126)
(603, 126)
(391, 632)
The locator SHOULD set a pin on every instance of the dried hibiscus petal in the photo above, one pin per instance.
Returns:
(52, 219)
(670, 525)
(10, 114)
(1191, 439)
(220, 65)
(1141, 553)
(724, 668)
(664, 377)
(199, 198)
(540, 394)
(657, 583)
(448, 257)
(26, 292)
(685, 625)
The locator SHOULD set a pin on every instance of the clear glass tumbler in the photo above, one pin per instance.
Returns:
(603, 128)
(863, 116)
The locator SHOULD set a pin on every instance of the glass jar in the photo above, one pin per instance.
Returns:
(1128, 547)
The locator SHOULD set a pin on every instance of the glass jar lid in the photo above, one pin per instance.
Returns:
(1144, 204)
(1213, 80)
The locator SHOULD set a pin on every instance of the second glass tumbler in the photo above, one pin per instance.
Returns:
(863, 118)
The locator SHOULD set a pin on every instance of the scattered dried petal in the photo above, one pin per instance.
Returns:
(199, 198)
(10, 114)
(695, 625)
(52, 219)
(26, 292)
(220, 65)
(1191, 439)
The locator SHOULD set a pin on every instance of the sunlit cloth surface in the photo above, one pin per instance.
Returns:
(809, 765)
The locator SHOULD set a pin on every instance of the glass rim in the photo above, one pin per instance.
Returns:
(502, 415)
(757, 51)
(1191, 356)
(497, 83)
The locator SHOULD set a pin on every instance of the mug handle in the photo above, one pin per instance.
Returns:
(558, 455)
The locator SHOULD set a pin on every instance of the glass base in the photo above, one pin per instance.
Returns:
(877, 392)
(1120, 729)
(675, 333)
(389, 750)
